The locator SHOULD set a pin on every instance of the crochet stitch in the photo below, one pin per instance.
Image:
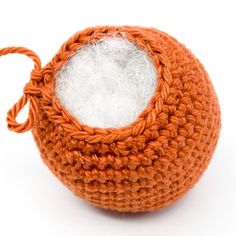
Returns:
(146, 165)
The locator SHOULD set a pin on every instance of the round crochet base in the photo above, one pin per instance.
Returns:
(153, 161)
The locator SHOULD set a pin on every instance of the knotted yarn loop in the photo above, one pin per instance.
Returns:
(30, 93)
(31, 89)
(36, 75)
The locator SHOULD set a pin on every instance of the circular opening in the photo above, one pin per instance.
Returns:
(108, 83)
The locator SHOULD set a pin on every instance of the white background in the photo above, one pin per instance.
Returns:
(33, 201)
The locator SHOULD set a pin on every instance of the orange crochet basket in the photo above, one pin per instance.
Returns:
(146, 165)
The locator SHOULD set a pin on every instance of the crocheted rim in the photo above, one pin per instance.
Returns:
(59, 114)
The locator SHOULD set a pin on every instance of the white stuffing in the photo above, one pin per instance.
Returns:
(108, 83)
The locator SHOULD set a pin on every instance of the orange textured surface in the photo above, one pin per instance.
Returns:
(146, 165)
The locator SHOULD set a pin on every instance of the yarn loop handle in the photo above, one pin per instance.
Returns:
(30, 93)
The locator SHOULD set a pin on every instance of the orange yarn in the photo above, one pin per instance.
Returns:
(146, 165)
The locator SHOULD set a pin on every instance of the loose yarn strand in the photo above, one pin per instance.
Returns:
(30, 92)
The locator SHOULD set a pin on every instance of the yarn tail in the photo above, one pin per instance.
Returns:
(31, 90)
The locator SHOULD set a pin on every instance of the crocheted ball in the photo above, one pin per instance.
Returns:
(149, 163)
